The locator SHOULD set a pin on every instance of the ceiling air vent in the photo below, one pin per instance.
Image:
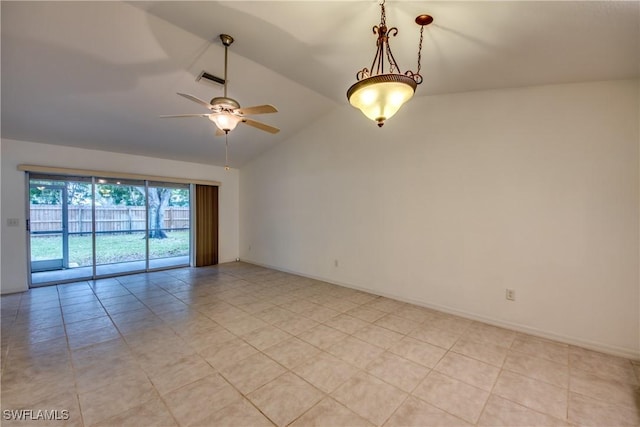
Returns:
(210, 79)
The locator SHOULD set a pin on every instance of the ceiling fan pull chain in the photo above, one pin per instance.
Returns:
(226, 151)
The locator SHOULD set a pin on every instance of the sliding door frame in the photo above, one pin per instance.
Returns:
(94, 276)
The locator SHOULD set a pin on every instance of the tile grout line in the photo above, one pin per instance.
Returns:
(312, 298)
(493, 386)
(75, 378)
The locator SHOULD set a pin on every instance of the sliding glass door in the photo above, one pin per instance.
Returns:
(120, 226)
(169, 224)
(60, 224)
(90, 227)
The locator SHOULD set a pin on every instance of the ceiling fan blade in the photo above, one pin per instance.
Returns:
(261, 126)
(258, 109)
(184, 115)
(198, 100)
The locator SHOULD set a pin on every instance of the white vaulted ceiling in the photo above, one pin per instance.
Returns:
(98, 74)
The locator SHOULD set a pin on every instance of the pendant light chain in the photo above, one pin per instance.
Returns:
(420, 49)
(384, 42)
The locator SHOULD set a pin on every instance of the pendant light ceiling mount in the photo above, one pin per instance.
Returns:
(379, 94)
(423, 20)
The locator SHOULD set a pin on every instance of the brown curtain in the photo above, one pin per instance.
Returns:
(206, 225)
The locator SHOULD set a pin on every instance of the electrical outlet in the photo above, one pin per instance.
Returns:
(13, 222)
(510, 294)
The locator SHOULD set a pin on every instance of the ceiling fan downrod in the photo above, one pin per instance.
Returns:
(226, 41)
(224, 102)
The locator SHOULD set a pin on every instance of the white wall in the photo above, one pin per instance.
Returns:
(14, 252)
(461, 196)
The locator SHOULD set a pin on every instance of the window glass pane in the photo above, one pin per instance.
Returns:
(120, 226)
(60, 230)
(59, 178)
(168, 185)
(169, 216)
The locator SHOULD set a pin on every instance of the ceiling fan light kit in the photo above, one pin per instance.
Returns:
(380, 94)
(225, 122)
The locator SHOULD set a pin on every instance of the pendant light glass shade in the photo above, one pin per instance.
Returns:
(380, 97)
(225, 121)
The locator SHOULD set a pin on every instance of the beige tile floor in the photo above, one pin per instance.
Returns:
(240, 345)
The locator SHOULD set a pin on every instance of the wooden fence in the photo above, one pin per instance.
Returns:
(116, 218)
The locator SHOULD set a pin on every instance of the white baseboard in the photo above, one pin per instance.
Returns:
(591, 345)
(12, 290)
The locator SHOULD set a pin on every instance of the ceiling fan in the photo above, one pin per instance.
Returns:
(226, 112)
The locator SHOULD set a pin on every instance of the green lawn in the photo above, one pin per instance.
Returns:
(110, 248)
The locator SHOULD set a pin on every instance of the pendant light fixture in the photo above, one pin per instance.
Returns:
(379, 94)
